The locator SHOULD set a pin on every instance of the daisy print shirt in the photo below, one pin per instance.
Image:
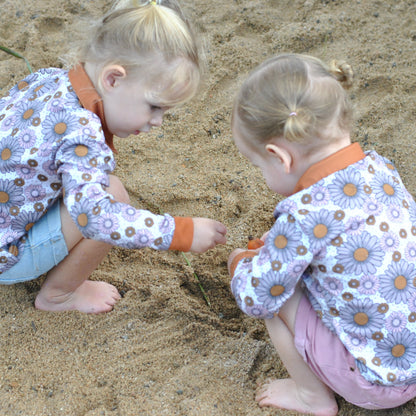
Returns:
(54, 144)
(348, 235)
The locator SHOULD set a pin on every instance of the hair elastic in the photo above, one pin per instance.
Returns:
(293, 114)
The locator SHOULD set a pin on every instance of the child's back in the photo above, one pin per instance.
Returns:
(335, 278)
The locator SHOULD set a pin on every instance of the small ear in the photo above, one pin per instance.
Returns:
(282, 154)
(111, 76)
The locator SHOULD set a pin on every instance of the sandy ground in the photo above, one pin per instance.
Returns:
(164, 350)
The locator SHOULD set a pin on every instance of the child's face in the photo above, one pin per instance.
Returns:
(129, 108)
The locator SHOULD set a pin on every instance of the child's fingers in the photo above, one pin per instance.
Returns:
(220, 233)
(221, 228)
(221, 239)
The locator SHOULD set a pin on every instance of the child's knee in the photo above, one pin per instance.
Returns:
(118, 190)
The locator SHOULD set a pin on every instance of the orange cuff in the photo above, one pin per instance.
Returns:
(183, 235)
(238, 258)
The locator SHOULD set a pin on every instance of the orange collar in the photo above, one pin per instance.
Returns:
(90, 99)
(325, 167)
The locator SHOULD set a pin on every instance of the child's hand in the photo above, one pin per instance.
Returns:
(207, 234)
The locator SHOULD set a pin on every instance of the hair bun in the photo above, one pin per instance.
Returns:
(342, 72)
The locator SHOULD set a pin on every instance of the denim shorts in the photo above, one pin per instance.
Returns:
(45, 247)
(332, 363)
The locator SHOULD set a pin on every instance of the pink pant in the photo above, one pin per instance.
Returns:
(335, 366)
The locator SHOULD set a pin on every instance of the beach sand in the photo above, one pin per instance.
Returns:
(164, 350)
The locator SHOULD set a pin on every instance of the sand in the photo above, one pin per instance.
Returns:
(164, 350)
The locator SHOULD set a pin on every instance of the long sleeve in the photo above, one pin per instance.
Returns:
(262, 283)
(84, 164)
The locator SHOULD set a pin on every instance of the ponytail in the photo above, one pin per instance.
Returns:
(295, 97)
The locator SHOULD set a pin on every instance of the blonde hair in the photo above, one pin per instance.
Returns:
(296, 97)
(142, 36)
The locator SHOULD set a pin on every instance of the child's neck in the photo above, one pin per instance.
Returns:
(90, 69)
(302, 162)
(327, 150)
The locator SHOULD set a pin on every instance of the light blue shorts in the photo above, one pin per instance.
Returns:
(45, 247)
(336, 367)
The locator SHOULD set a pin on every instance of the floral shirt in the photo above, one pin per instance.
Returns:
(348, 235)
(54, 144)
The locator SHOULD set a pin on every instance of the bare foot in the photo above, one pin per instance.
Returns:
(90, 297)
(284, 394)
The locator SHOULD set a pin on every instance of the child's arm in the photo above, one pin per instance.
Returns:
(254, 245)
(263, 279)
(237, 255)
(101, 217)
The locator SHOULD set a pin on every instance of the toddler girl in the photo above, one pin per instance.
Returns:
(61, 209)
(335, 280)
